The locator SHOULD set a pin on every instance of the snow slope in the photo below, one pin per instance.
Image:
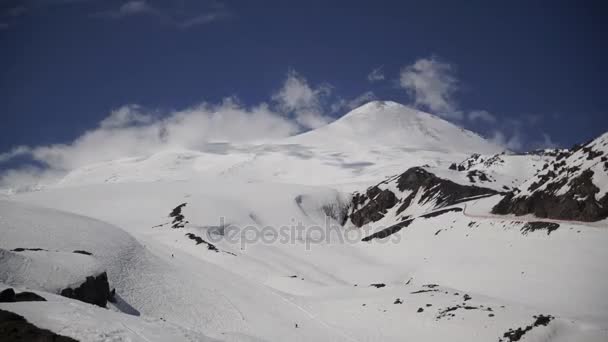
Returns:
(323, 285)
(85, 322)
(262, 250)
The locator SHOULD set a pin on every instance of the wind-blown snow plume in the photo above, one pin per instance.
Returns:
(131, 131)
(303, 101)
(431, 84)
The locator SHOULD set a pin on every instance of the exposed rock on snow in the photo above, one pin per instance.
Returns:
(517, 334)
(95, 290)
(388, 231)
(16, 328)
(178, 218)
(573, 187)
(414, 187)
(539, 225)
(9, 296)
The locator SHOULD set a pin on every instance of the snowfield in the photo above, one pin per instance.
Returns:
(264, 249)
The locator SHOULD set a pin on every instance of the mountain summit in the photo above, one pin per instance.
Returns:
(392, 124)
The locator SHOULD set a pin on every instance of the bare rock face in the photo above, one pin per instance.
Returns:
(16, 328)
(10, 296)
(95, 290)
(414, 183)
(578, 203)
(571, 188)
(374, 210)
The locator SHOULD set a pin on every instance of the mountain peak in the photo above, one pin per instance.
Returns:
(395, 125)
(379, 106)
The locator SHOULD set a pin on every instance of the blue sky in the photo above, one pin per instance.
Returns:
(526, 73)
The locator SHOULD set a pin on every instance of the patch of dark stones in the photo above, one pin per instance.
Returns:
(423, 291)
(82, 252)
(199, 240)
(449, 312)
(378, 285)
(539, 225)
(514, 335)
(178, 218)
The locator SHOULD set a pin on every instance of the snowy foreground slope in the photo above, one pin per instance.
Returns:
(259, 243)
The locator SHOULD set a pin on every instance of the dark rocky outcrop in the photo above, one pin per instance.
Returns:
(539, 225)
(178, 218)
(15, 328)
(564, 189)
(82, 252)
(578, 203)
(444, 191)
(10, 296)
(379, 202)
(516, 334)
(95, 290)
(388, 231)
(375, 202)
(200, 240)
(21, 249)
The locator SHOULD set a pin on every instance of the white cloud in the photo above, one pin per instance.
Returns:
(15, 152)
(432, 85)
(132, 130)
(482, 115)
(128, 115)
(129, 131)
(178, 18)
(304, 102)
(546, 142)
(514, 142)
(376, 74)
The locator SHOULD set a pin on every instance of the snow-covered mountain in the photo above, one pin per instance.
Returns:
(376, 140)
(388, 123)
(376, 227)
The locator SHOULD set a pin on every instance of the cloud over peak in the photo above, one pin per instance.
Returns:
(296, 97)
(431, 84)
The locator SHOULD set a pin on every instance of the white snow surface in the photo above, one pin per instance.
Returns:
(286, 283)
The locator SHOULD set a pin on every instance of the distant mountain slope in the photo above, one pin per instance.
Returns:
(372, 142)
(392, 124)
(572, 187)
